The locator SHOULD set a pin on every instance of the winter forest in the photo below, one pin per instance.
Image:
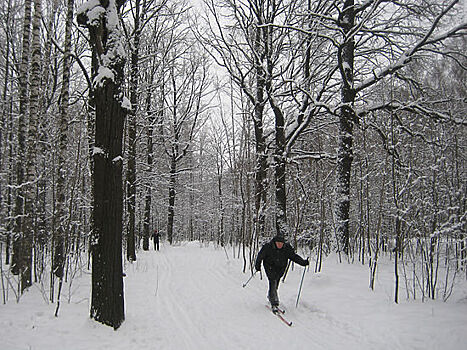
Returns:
(339, 125)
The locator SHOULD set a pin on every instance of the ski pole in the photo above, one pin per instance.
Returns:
(253, 275)
(301, 283)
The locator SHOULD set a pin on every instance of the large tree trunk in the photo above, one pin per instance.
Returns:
(107, 302)
(346, 120)
(282, 227)
(260, 142)
(60, 234)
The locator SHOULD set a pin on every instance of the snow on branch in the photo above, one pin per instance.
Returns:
(103, 74)
(312, 155)
(102, 20)
(99, 151)
(409, 54)
(126, 104)
(89, 13)
(418, 107)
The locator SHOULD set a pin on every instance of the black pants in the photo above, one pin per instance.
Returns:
(156, 244)
(272, 294)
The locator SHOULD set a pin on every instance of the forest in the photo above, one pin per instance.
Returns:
(340, 125)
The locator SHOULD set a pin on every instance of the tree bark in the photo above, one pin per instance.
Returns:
(6, 125)
(150, 156)
(171, 208)
(282, 228)
(346, 120)
(131, 174)
(260, 143)
(107, 302)
(16, 265)
(60, 234)
(29, 228)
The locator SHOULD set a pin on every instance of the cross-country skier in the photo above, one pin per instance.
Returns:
(275, 255)
(155, 236)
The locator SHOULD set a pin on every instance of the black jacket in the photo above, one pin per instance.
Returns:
(275, 260)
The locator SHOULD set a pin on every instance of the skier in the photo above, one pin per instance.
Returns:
(275, 255)
(155, 236)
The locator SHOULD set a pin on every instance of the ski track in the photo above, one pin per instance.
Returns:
(194, 296)
(190, 297)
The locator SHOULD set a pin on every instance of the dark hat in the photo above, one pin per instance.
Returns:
(279, 239)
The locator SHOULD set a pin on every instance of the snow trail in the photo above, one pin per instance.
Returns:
(189, 297)
(200, 304)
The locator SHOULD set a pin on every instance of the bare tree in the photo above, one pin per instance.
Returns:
(345, 55)
(6, 133)
(237, 39)
(62, 229)
(28, 226)
(371, 15)
(188, 80)
(17, 262)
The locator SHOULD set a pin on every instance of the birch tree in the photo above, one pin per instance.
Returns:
(6, 133)
(61, 233)
(28, 227)
(17, 262)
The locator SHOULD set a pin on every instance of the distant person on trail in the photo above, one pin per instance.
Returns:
(155, 237)
(275, 255)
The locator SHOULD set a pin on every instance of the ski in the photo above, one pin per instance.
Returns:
(279, 313)
(282, 311)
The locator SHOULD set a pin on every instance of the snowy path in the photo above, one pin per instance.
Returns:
(200, 300)
(187, 297)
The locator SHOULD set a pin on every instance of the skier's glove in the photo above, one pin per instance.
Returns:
(307, 262)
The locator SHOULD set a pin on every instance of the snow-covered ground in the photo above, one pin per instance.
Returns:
(187, 297)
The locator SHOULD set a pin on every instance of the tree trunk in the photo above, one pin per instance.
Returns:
(191, 200)
(59, 239)
(48, 85)
(6, 118)
(171, 208)
(11, 223)
(17, 266)
(131, 175)
(260, 142)
(107, 302)
(282, 227)
(221, 233)
(185, 114)
(346, 120)
(29, 228)
(150, 155)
